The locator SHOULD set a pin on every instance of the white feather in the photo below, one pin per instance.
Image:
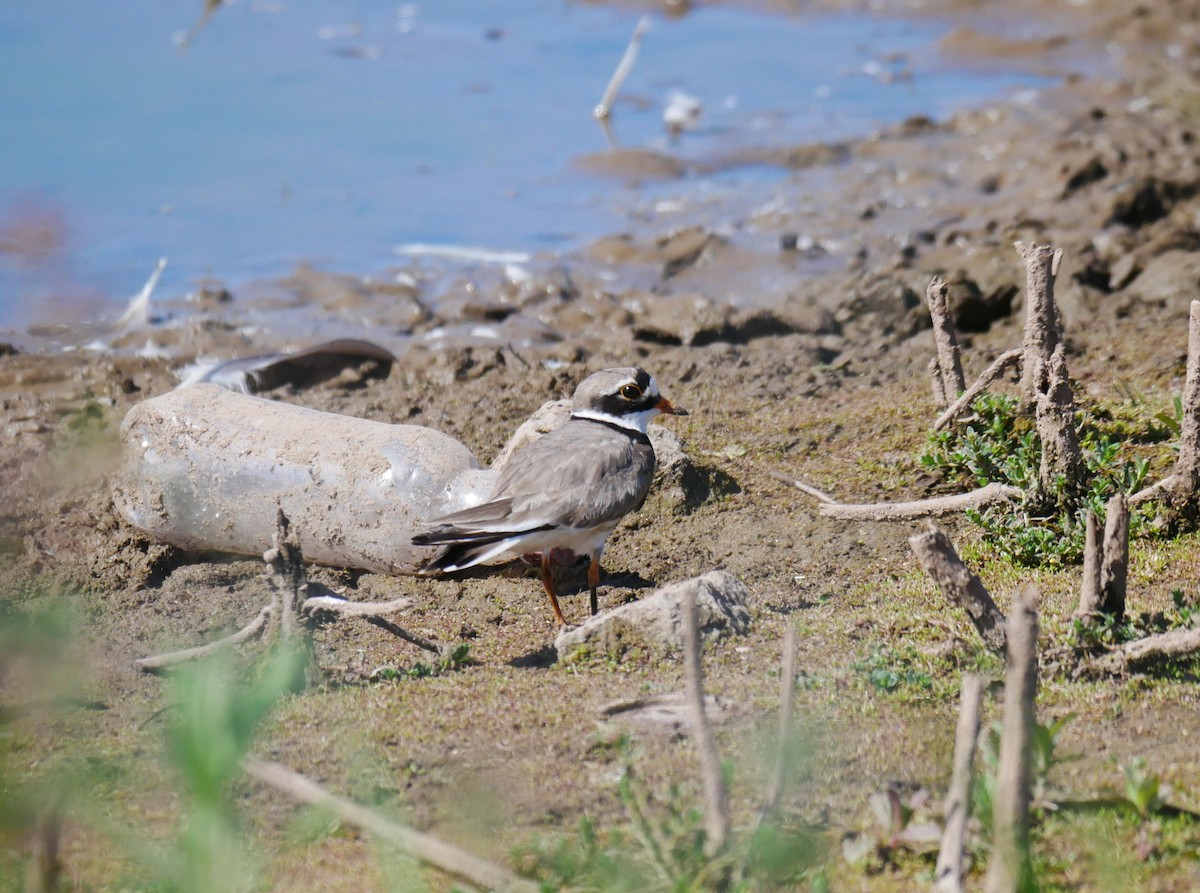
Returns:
(633, 421)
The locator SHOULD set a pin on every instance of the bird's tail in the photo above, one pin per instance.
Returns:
(460, 549)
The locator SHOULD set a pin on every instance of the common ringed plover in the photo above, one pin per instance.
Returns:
(566, 490)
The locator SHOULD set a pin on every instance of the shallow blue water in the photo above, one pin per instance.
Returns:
(332, 132)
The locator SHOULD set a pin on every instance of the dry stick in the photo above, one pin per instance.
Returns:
(819, 495)
(348, 608)
(285, 574)
(937, 556)
(1176, 643)
(923, 508)
(1009, 869)
(1183, 491)
(1093, 558)
(446, 857)
(1054, 406)
(947, 877)
(1187, 465)
(45, 864)
(1043, 328)
(247, 632)
(1183, 484)
(716, 813)
(787, 695)
(604, 109)
(1154, 491)
(999, 366)
(1114, 568)
(935, 383)
(949, 363)
(287, 580)
(1131, 655)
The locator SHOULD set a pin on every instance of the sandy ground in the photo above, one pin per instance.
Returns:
(796, 336)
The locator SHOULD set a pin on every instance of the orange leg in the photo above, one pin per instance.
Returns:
(593, 582)
(548, 585)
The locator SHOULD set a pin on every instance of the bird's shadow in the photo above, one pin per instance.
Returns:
(573, 583)
(538, 659)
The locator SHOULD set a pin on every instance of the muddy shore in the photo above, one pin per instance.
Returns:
(796, 336)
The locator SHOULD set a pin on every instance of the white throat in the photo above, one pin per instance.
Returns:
(634, 421)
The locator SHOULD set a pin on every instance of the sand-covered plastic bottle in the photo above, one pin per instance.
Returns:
(204, 468)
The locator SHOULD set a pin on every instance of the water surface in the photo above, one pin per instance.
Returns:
(332, 132)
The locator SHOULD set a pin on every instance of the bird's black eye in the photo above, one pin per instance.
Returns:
(630, 391)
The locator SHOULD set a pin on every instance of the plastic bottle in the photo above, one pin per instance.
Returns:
(204, 469)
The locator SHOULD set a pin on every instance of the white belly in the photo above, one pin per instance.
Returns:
(581, 542)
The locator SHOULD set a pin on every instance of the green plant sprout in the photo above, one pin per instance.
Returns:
(457, 658)
(1144, 790)
(661, 848)
(1045, 758)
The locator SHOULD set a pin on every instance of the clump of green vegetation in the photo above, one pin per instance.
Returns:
(458, 657)
(1102, 632)
(889, 670)
(1045, 758)
(214, 715)
(902, 832)
(999, 445)
(662, 848)
(1144, 790)
(212, 727)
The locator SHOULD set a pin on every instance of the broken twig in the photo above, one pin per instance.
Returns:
(1093, 557)
(373, 613)
(949, 363)
(716, 796)
(787, 696)
(1156, 490)
(1105, 563)
(956, 581)
(1114, 566)
(1181, 488)
(947, 876)
(935, 383)
(923, 508)
(819, 495)
(1175, 643)
(285, 576)
(347, 608)
(163, 661)
(1187, 465)
(446, 857)
(604, 109)
(287, 581)
(1043, 328)
(1062, 470)
(999, 366)
(1009, 869)
(1150, 649)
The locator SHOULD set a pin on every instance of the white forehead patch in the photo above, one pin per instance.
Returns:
(651, 387)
